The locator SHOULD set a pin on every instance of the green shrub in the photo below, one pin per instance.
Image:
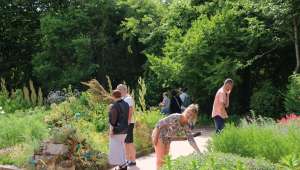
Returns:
(262, 139)
(149, 118)
(292, 97)
(75, 108)
(19, 154)
(217, 161)
(21, 128)
(13, 102)
(145, 123)
(20, 134)
(265, 100)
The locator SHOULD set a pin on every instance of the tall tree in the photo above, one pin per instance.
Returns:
(286, 14)
(18, 40)
(81, 42)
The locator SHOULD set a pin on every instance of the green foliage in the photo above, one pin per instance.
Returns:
(84, 107)
(19, 154)
(26, 94)
(259, 139)
(40, 100)
(201, 45)
(109, 84)
(33, 95)
(20, 134)
(72, 52)
(19, 39)
(149, 118)
(265, 100)
(81, 42)
(10, 102)
(218, 161)
(141, 94)
(145, 123)
(15, 128)
(291, 162)
(292, 97)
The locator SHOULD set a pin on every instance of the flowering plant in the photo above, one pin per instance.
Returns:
(289, 118)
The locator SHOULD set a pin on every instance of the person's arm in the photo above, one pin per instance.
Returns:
(191, 139)
(222, 99)
(130, 102)
(130, 114)
(227, 100)
(112, 119)
(113, 116)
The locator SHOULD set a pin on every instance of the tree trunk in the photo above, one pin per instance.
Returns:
(295, 19)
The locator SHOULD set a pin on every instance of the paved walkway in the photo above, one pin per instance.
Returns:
(178, 148)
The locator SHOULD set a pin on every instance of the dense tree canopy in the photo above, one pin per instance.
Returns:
(171, 43)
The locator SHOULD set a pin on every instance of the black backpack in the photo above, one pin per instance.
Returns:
(122, 119)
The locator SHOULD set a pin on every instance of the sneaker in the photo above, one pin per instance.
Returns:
(131, 163)
(121, 168)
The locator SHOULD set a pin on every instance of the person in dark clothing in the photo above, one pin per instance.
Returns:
(118, 120)
(175, 104)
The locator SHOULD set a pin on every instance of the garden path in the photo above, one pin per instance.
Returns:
(178, 148)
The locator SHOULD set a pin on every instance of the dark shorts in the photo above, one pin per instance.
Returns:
(129, 137)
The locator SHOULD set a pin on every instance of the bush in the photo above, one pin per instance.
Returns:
(12, 102)
(86, 115)
(21, 128)
(149, 118)
(265, 100)
(262, 139)
(217, 161)
(292, 97)
(77, 108)
(20, 134)
(145, 123)
(19, 154)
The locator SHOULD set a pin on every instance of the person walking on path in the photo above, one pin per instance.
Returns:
(185, 98)
(167, 128)
(129, 146)
(175, 104)
(221, 103)
(118, 120)
(165, 104)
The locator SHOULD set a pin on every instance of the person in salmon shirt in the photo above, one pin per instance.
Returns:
(221, 103)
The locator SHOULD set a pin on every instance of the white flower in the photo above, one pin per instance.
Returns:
(2, 112)
(0, 107)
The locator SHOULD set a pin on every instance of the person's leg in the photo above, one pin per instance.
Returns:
(219, 123)
(160, 151)
(132, 152)
(117, 147)
(129, 146)
(127, 152)
(167, 149)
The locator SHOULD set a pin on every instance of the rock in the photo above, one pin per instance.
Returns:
(8, 167)
(55, 149)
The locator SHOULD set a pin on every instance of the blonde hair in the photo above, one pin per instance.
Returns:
(194, 108)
